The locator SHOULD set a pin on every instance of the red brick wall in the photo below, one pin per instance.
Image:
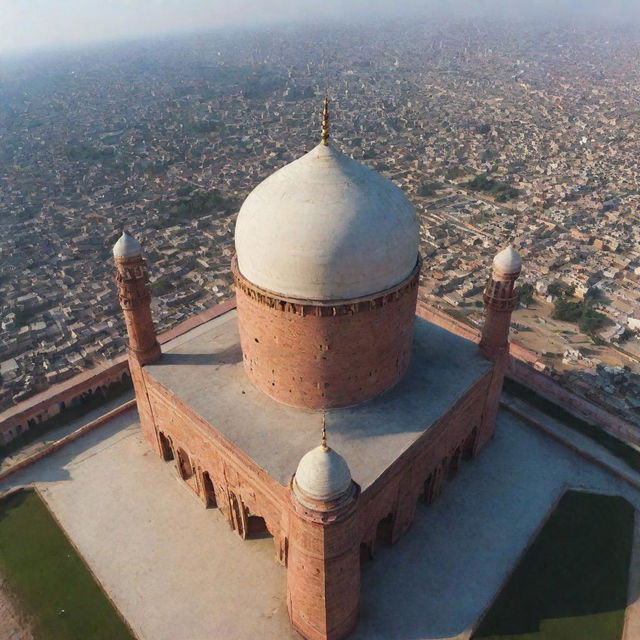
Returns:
(47, 404)
(304, 359)
(402, 485)
(323, 574)
(322, 553)
(231, 471)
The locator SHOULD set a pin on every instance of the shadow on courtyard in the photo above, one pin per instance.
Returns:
(54, 467)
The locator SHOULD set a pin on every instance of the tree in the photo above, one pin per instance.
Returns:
(427, 188)
(591, 320)
(561, 289)
(525, 293)
(567, 310)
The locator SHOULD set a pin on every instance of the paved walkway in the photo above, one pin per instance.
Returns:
(175, 570)
(588, 447)
(47, 438)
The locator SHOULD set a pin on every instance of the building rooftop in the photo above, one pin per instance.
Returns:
(204, 369)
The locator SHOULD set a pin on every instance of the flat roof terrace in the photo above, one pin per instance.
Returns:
(203, 368)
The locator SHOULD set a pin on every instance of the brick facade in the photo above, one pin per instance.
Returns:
(320, 355)
(321, 549)
(291, 350)
(135, 300)
(500, 299)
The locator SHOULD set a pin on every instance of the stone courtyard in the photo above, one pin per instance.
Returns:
(176, 570)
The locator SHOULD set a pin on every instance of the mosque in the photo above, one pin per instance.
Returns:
(319, 408)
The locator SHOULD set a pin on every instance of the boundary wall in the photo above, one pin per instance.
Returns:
(44, 405)
(520, 368)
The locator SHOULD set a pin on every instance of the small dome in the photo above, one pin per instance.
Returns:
(325, 227)
(126, 247)
(323, 474)
(508, 260)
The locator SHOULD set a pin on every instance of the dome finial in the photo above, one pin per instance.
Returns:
(325, 122)
(323, 442)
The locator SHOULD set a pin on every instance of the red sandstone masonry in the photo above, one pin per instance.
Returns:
(322, 554)
(38, 407)
(313, 355)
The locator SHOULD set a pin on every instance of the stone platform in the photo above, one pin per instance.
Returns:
(175, 570)
(203, 368)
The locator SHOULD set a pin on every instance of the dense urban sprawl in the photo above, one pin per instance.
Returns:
(496, 132)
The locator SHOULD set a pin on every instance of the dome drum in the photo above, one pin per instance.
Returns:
(320, 355)
(325, 511)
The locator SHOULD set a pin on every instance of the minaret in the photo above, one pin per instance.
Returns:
(323, 567)
(135, 299)
(500, 300)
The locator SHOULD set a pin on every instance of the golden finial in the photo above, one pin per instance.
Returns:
(323, 443)
(325, 121)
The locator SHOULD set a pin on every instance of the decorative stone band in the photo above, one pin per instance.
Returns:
(131, 268)
(131, 280)
(500, 295)
(131, 300)
(499, 303)
(324, 512)
(503, 276)
(325, 308)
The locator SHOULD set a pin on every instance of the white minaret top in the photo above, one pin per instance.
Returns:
(325, 227)
(322, 474)
(508, 260)
(126, 247)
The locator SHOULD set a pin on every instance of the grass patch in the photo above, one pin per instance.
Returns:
(617, 447)
(50, 582)
(571, 583)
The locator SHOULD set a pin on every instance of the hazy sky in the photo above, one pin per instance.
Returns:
(32, 24)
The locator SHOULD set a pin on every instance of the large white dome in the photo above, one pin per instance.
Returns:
(326, 228)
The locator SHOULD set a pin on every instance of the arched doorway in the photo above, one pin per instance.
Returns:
(184, 465)
(257, 527)
(166, 450)
(384, 530)
(468, 449)
(428, 487)
(209, 491)
(454, 464)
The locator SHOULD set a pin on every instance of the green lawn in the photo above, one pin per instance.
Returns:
(571, 583)
(48, 579)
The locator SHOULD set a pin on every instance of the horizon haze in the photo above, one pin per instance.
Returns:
(35, 25)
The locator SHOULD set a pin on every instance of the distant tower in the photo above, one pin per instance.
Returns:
(500, 300)
(323, 568)
(135, 299)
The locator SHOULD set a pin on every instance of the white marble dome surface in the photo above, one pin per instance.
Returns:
(126, 247)
(508, 260)
(323, 474)
(326, 228)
